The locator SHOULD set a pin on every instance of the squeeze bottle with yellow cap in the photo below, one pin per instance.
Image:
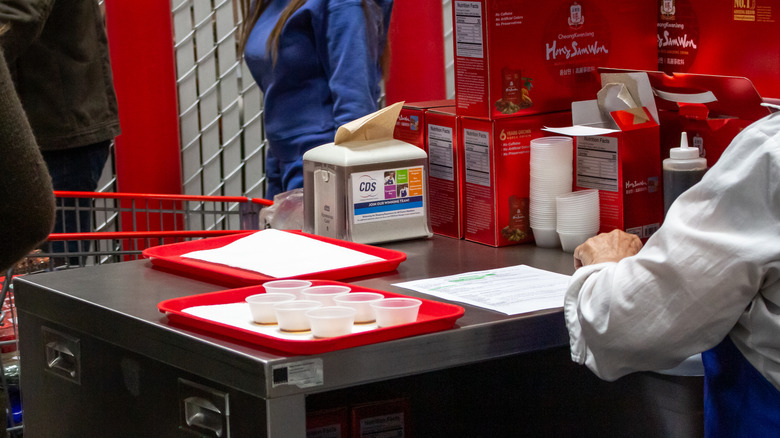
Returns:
(682, 170)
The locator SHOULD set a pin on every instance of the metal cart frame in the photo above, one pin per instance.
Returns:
(118, 228)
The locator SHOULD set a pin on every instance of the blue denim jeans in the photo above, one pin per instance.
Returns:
(75, 169)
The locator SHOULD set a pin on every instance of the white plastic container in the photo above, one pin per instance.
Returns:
(291, 286)
(262, 306)
(366, 191)
(395, 311)
(291, 315)
(361, 302)
(331, 321)
(325, 293)
(682, 170)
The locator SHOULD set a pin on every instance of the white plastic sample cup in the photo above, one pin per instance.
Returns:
(324, 293)
(361, 302)
(546, 237)
(286, 287)
(291, 315)
(331, 321)
(262, 306)
(395, 311)
(570, 241)
(553, 144)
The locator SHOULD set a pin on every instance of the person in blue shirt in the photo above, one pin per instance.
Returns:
(319, 64)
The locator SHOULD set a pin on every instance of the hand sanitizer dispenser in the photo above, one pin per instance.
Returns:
(366, 186)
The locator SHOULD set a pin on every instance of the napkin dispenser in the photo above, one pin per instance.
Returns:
(366, 186)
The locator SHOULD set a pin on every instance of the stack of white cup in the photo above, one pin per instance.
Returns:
(577, 217)
(551, 176)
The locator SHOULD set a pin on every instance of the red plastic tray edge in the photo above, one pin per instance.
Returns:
(169, 257)
(439, 316)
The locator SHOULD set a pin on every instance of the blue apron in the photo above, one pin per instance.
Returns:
(738, 400)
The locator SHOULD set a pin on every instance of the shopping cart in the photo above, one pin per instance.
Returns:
(9, 363)
(110, 228)
(113, 227)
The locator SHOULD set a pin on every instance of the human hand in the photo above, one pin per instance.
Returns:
(606, 247)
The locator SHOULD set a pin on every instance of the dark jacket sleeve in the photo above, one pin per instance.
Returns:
(26, 198)
(23, 21)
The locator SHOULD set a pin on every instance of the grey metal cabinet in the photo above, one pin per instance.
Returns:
(98, 359)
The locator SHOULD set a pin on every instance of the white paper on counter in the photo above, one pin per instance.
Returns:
(239, 316)
(580, 130)
(281, 254)
(512, 290)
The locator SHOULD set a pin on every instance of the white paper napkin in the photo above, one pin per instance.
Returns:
(281, 254)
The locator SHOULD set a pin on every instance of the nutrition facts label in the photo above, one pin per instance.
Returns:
(477, 156)
(440, 152)
(597, 163)
(468, 29)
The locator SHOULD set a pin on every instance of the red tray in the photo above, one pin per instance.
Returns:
(433, 317)
(169, 257)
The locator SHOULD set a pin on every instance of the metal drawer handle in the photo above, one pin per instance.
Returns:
(59, 357)
(202, 413)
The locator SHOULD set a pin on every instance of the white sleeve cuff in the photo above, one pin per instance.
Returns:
(579, 349)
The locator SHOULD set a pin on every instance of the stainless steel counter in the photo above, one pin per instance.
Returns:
(116, 305)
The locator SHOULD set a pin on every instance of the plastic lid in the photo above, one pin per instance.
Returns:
(684, 152)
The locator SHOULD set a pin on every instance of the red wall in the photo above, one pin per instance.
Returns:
(140, 36)
(417, 52)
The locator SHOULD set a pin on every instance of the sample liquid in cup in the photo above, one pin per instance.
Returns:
(261, 306)
(329, 322)
(361, 302)
(291, 315)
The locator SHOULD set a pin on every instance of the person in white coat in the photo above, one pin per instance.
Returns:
(707, 281)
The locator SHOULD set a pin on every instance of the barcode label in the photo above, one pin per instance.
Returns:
(648, 230)
(303, 374)
(280, 376)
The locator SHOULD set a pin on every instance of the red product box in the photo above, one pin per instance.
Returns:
(519, 57)
(410, 126)
(445, 170)
(732, 38)
(389, 418)
(711, 109)
(625, 166)
(618, 152)
(329, 423)
(496, 156)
